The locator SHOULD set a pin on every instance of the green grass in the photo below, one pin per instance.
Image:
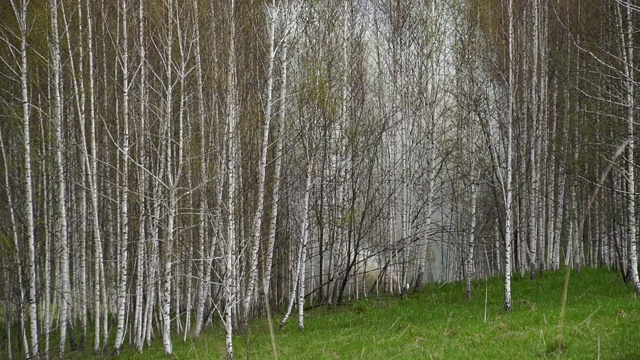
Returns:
(602, 319)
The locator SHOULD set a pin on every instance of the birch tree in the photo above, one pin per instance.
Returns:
(63, 246)
(230, 280)
(165, 297)
(123, 245)
(138, 322)
(507, 191)
(534, 149)
(303, 242)
(203, 264)
(99, 295)
(21, 12)
(469, 249)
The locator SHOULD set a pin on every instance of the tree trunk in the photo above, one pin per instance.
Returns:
(303, 245)
(508, 193)
(533, 223)
(469, 261)
(21, 14)
(203, 263)
(138, 322)
(63, 245)
(230, 280)
(92, 158)
(275, 197)
(123, 245)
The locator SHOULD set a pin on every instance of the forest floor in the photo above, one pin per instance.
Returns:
(602, 322)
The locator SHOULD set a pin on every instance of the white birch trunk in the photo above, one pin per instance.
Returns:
(154, 261)
(230, 280)
(469, 265)
(165, 296)
(203, 287)
(167, 264)
(7, 321)
(114, 190)
(532, 228)
(543, 209)
(509, 175)
(188, 274)
(47, 257)
(266, 282)
(93, 190)
(63, 246)
(142, 183)
(82, 266)
(295, 284)
(405, 161)
(552, 195)
(123, 245)
(303, 246)
(21, 14)
(176, 171)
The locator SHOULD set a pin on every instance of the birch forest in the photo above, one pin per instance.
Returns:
(169, 167)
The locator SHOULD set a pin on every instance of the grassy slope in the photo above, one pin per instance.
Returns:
(603, 317)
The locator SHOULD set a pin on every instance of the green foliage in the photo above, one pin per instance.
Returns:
(602, 318)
